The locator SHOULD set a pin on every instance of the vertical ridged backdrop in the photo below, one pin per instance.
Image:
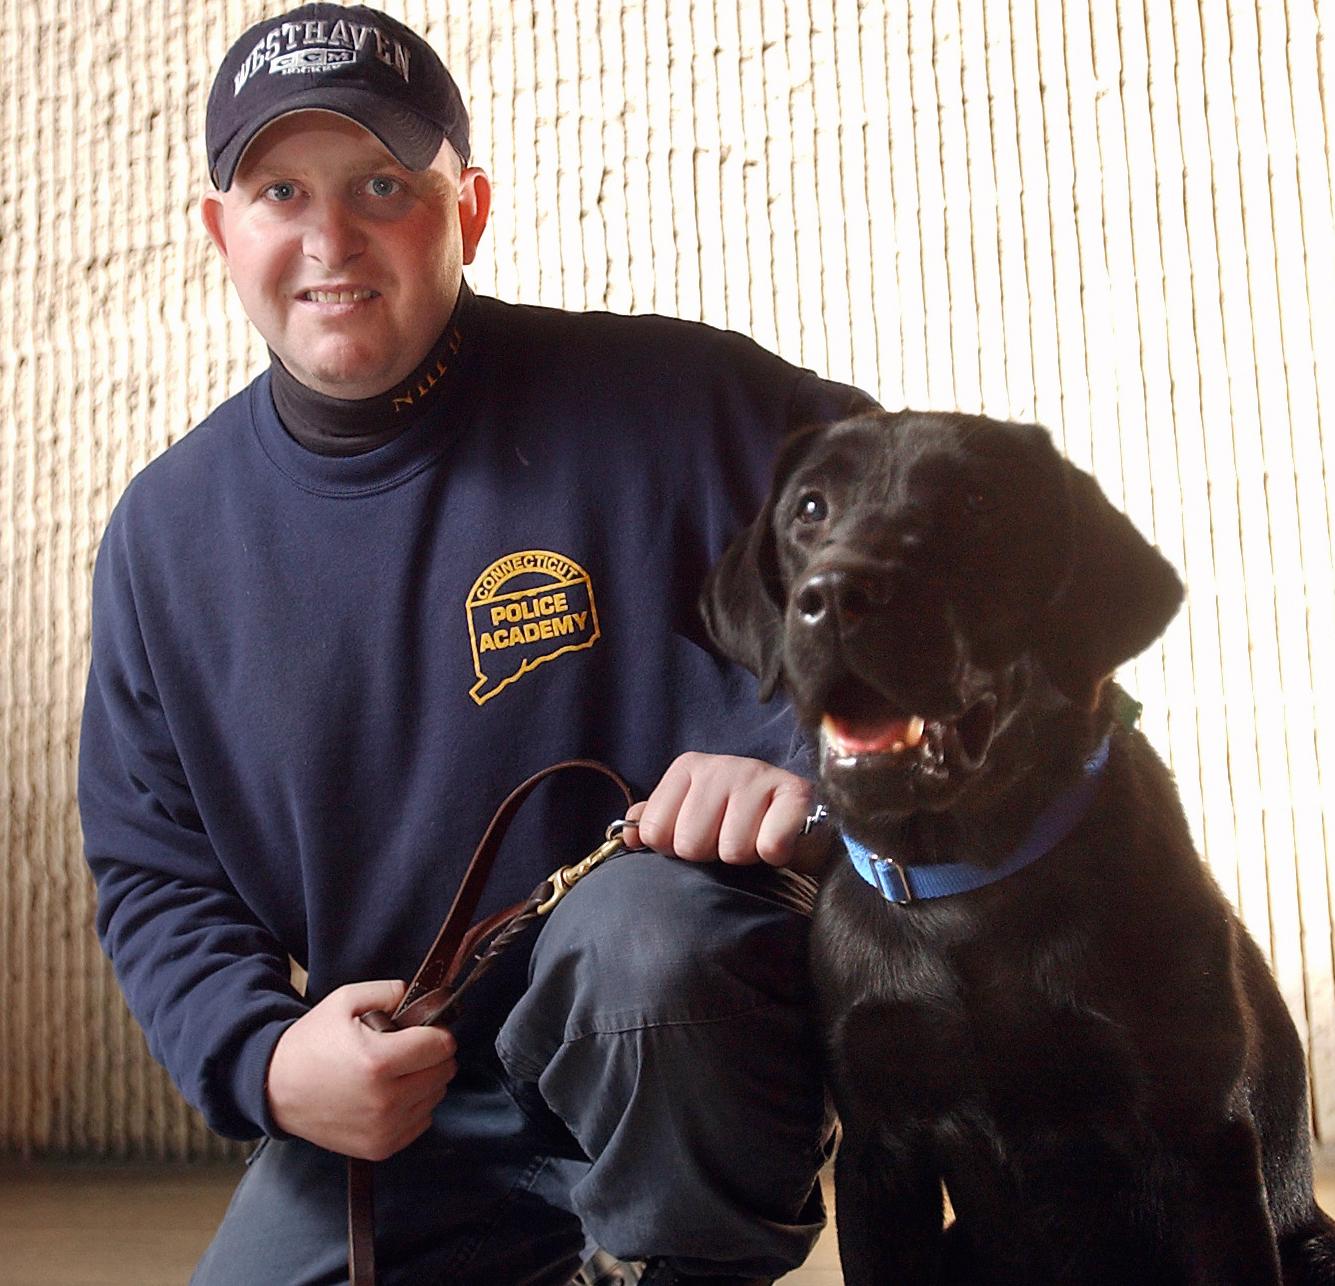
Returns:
(1114, 218)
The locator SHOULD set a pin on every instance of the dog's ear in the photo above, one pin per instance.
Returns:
(742, 604)
(1116, 598)
(743, 600)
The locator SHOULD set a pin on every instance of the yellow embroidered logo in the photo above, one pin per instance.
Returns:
(525, 609)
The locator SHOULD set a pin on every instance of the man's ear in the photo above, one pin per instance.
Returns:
(744, 597)
(1117, 597)
(211, 215)
(474, 207)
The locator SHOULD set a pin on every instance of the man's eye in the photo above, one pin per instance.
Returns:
(811, 507)
(383, 186)
(282, 191)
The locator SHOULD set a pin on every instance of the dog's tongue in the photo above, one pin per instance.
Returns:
(854, 736)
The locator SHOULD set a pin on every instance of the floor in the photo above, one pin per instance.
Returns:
(89, 1225)
(120, 1226)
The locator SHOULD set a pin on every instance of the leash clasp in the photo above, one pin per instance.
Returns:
(564, 878)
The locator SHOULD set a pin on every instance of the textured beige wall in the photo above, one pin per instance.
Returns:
(1113, 217)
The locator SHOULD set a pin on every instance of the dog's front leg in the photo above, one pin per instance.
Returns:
(1231, 1235)
(888, 1209)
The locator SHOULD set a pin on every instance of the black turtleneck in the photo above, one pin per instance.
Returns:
(351, 426)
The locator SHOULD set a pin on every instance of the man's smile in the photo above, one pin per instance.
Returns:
(338, 296)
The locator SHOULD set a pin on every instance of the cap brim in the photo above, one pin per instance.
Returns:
(411, 139)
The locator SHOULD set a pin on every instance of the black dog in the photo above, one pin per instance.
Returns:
(1067, 1024)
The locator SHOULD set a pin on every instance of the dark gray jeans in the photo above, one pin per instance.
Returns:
(658, 1095)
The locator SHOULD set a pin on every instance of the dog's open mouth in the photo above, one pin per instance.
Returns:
(861, 728)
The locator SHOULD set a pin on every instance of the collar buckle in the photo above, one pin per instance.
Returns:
(892, 879)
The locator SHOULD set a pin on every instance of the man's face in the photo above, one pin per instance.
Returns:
(348, 264)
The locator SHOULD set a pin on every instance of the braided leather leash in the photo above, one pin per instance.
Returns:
(435, 992)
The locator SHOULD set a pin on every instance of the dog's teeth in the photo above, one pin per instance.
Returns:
(849, 740)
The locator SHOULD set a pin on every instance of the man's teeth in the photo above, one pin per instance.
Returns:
(339, 296)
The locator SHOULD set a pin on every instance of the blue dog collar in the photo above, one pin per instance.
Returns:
(900, 884)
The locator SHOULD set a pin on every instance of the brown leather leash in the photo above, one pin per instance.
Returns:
(434, 994)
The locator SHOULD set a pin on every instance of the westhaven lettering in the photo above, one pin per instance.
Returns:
(290, 36)
(533, 631)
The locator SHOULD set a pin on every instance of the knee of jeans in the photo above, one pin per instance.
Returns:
(651, 933)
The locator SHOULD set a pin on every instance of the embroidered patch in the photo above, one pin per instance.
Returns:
(527, 608)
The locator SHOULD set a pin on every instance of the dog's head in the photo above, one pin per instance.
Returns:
(914, 578)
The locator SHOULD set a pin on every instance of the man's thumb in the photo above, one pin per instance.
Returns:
(381, 993)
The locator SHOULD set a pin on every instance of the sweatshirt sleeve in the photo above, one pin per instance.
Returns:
(820, 401)
(207, 983)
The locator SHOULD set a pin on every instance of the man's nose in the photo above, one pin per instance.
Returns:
(333, 234)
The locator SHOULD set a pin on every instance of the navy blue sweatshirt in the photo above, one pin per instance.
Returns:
(313, 678)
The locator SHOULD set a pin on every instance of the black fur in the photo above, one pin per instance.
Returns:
(1090, 1054)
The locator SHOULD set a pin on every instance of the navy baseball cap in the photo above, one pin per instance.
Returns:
(355, 61)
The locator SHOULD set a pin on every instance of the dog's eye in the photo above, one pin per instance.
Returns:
(811, 507)
(979, 500)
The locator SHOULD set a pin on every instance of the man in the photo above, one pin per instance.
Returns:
(442, 542)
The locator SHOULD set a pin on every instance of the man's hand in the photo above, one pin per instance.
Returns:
(724, 808)
(344, 1087)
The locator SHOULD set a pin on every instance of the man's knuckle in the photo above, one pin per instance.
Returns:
(734, 851)
(379, 1103)
(797, 789)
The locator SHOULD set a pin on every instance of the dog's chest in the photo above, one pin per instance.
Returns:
(933, 1018)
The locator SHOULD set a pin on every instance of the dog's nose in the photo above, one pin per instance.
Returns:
(839, 595)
